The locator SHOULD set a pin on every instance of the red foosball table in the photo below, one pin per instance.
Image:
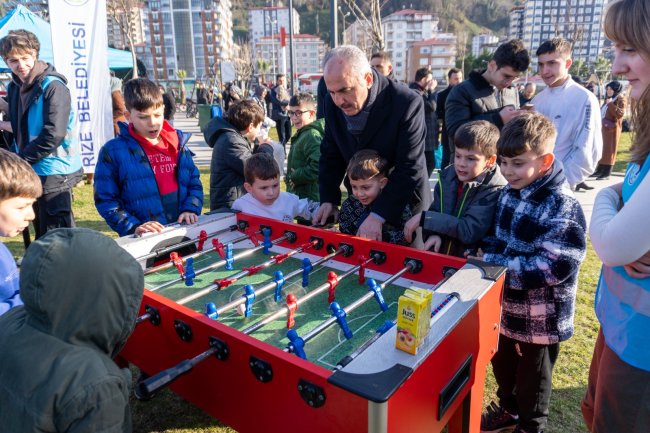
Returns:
(277, 327)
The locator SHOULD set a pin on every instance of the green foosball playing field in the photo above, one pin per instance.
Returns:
(328, 347)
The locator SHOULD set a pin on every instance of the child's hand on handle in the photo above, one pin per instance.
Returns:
(324, 212)
(410, 227)
(433, 243)
(188, 218)
(149, 227)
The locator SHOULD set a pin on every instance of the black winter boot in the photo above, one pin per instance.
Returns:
(597, 172)
(605, 172)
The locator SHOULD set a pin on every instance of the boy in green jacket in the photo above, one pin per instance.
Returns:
(302, 163)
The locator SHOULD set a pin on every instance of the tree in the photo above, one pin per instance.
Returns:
(371, 25)
(125, 14)
(602, 68)
(182, 74)
(262, 68)
(580, 68)
(461, 49)
(243, 64)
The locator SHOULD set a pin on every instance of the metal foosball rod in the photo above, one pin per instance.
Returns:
(446, 304)
(252, 270)
(221, 263)
(203, 237)
(218, 285)
(215, 247)
(285, 310)
(270, 286)
(373, 292)
(146, 388)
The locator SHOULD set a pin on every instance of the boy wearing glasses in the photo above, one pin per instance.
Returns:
(302, 163)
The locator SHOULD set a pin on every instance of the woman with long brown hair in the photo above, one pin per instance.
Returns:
(618, 393)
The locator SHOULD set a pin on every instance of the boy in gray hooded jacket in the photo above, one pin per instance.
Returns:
(56, 368)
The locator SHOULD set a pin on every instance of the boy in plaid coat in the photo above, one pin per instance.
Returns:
(540, 237)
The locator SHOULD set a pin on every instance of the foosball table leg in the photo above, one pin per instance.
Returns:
(467, 417)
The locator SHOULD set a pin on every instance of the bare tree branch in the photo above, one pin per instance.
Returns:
(372, 24)
(121, 12)
(243, 64)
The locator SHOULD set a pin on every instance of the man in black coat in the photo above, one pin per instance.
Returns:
(365, 110)
(425, 85)
(454, 76)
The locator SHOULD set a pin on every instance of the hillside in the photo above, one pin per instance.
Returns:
(475, 15)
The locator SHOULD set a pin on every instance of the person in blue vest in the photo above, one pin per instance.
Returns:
(618, 390)
(44, 128)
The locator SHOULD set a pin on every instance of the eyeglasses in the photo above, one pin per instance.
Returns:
(297, 113)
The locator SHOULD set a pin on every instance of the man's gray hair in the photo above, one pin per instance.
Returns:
(353, 56)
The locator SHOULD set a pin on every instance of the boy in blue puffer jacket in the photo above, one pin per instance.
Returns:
(145, 177)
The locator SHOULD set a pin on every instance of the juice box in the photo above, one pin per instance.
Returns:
(413, 319)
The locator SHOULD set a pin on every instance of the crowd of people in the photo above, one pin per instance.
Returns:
(505, 193)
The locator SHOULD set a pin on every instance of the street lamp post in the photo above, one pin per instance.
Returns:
(334, 26)
(343, 16)
(273, 56)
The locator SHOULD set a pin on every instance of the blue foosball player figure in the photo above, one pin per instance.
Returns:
(297, 343)
(190, 274)
(230, 260)
(211, 311)
(306, 269)
(376, 290)
(340, 315)
(250, 297)
(278, 277)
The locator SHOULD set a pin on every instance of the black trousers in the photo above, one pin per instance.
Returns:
(524, 374)
(283, 125)
(53, 210)
(430, 158)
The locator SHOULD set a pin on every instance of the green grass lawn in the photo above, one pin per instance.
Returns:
(169, 413)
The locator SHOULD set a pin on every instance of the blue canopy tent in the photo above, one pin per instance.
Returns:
(23, 18)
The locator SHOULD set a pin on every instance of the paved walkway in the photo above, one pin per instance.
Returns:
(197, 144)
(204, 154)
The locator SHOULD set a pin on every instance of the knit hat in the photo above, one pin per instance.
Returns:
(616, 86)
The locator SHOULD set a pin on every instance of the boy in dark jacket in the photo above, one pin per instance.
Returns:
(540, 238)
(368, 175)
(56, 368)
(465, 196)
(44, 128)
(231, 139)
(146, 177)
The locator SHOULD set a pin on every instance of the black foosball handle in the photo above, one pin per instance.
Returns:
(146, 389)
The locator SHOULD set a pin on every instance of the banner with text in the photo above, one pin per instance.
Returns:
(79, 45)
